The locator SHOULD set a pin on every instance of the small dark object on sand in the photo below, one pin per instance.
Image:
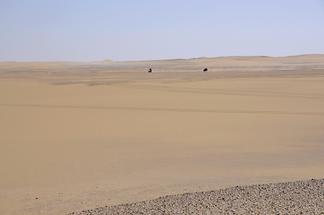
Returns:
(150, 70)
(205, 70)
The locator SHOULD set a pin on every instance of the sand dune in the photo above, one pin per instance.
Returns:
(76, 136)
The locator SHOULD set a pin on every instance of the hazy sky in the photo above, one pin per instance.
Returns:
(155, 29)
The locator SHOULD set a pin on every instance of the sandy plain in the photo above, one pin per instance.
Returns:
(75, 136)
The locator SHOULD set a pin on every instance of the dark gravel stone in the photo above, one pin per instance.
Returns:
(301, 197)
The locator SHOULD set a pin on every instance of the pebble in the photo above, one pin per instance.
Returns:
(301, 197)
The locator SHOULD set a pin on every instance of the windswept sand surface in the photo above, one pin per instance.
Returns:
(301, 197)
(79, 136)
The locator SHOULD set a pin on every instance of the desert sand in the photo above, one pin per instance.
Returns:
(76, 136)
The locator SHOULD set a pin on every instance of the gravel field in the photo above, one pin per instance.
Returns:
(301, 197)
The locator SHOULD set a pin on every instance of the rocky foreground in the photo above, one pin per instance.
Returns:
(301, 197)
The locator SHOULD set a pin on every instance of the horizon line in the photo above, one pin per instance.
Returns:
(161, 59)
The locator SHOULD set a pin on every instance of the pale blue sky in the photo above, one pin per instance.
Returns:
(155, 29)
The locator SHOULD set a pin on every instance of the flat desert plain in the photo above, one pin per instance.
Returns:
(76, 136)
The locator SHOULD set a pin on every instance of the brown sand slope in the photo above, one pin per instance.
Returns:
(301, 197)
(75, 136)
